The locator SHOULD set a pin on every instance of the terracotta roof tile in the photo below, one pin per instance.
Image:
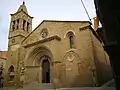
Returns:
(3, 54)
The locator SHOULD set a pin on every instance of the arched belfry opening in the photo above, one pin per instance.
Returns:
(45, 70)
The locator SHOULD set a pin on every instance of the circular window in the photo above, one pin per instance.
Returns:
(44, 33)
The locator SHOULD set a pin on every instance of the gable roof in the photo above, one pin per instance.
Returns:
(54, 21)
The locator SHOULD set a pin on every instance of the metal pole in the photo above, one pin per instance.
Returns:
(86, 11)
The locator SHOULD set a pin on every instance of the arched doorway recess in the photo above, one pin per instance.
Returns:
(11, 73)
(40, 60)
(45, 70)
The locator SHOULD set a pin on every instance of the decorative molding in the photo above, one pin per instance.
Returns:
(32, 66)
(70, 57)
(75, 57)
(68, 32)
(19, 12)
(56, 62)
(71, 50)
(15, 36)
(84, 28)
(43, 41)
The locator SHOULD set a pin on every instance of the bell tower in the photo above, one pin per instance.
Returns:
(20, 28)
(20, 25)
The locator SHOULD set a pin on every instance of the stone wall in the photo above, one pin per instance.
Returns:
(103, 67)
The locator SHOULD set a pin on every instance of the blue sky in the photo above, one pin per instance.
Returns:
(71, 10)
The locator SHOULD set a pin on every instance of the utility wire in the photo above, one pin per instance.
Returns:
(86, 11)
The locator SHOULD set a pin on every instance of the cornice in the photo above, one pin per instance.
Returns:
(42, 41)
(23, 12)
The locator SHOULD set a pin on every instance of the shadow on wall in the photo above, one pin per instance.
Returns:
(104, 72)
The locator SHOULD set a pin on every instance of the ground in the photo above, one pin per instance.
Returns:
(107, 86)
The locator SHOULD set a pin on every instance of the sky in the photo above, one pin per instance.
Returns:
(71, 10)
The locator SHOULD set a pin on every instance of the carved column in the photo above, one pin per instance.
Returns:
(40, 75)
(20, 23)
(11, 26)
(15, 24)
(25, 25)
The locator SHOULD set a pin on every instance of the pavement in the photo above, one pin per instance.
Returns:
(83, 88)
(110, 85)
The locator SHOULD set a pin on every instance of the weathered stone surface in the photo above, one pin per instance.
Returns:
(86, 64)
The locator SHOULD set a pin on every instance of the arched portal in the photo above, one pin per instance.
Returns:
(46, 71)
(39, 62)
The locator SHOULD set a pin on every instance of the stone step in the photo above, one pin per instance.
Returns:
(110, 83)
(38, 86)
(49, 86)
(79, 88)
(87, 88)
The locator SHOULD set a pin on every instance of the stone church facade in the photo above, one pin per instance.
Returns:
(64, 53)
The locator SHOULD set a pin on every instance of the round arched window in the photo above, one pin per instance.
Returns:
(71, 37)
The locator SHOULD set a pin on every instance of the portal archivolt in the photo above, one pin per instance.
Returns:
(41, 58)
